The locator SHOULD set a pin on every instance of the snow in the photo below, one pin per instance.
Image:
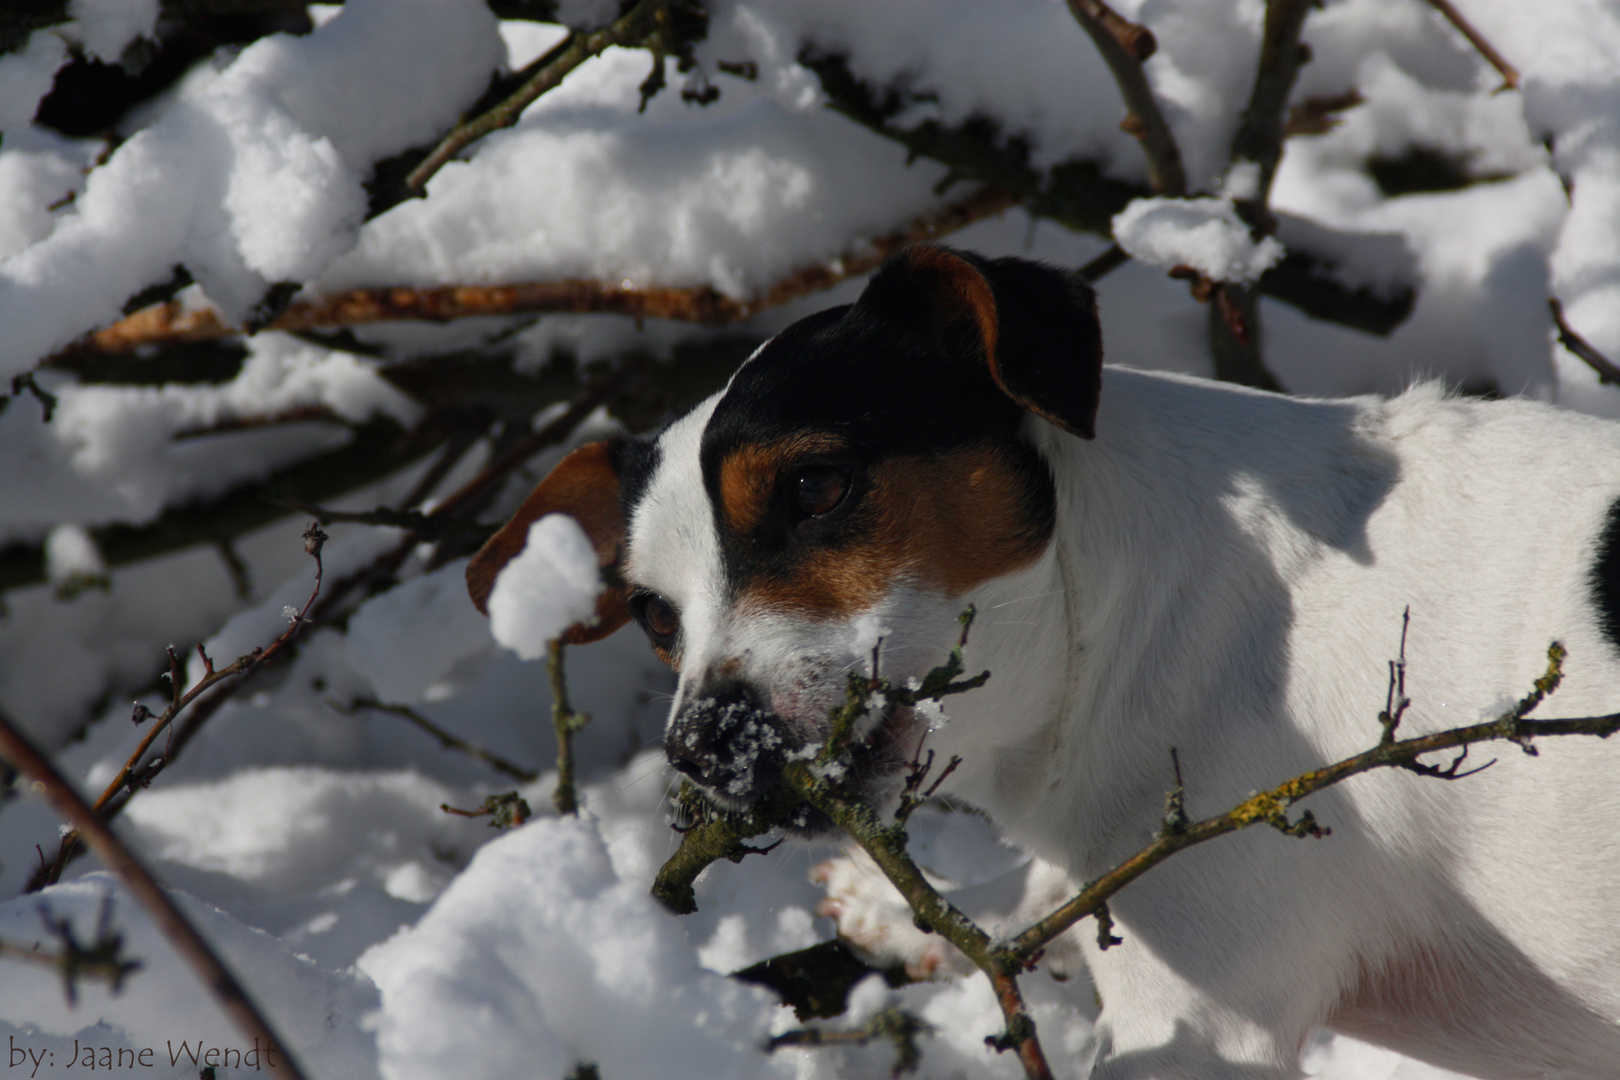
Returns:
(391, 939)
(550, 585)
(403, 664)
(26, 76)
(1205, 234)
(107, 27)
(593, 958)
(253, 175)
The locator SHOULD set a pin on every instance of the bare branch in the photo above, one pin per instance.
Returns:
(1270, 807)
(210, 970)
(1124, 46)
(1510, 74)
(544, 74)
(132, 775)
(446, 740)
(1607, 370)
(564, 721)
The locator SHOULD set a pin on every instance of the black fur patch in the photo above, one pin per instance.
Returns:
(634, 460)
(1606, 577)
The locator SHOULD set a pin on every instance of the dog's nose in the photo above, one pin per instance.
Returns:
(725, 740)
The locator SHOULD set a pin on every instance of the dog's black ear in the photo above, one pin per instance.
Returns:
(585, 486)
(1035, 326)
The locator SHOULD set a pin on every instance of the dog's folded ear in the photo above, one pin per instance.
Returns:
(585, 486)
(1035, 326)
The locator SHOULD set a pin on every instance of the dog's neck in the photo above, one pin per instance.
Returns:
(1179, 532)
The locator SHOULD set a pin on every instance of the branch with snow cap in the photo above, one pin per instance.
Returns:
(175, 322)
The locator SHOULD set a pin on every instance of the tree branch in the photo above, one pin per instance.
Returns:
(1607, 370)
(446, 740)
(1125, 46)
(127, 777)
(210, 970)
(543, 75)
(721, 835)
(1234, 317)
(1076, 194)
(1509, 73)
(171, 322)
(564, 722)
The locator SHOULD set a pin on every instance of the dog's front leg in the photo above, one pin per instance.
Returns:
(874, 918)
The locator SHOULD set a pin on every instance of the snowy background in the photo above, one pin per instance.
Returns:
(385, 937)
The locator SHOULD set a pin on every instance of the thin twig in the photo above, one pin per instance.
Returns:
(172, 323)
(446, 740)
(314, 541)
(721, 836)
(1607, 370)
(564, 721)
(210, 970)
(1270, 807)
(543, 75)
(1234, 317)
(1509, 73)
(1124, 46)
(1112, 258)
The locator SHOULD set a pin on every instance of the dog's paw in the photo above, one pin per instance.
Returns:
(874, 919)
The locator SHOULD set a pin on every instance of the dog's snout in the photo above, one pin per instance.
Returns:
(724, 739)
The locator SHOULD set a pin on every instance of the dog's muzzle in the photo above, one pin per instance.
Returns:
(725, 740)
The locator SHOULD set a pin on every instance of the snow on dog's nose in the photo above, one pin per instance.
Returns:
(725, 740)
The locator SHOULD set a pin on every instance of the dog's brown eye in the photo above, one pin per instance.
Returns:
(657, 615)
(819, 490)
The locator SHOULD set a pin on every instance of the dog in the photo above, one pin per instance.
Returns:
(1158, 563)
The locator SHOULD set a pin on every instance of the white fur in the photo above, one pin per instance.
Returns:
(1227, 578)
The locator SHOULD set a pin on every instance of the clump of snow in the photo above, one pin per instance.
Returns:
(72, 558)
(252, 176)
(386, 642)
(1206, 234)
(26, 77)
(540, 957)
(112, 452)
(549, 586)
(164, 1004)
(106, 27)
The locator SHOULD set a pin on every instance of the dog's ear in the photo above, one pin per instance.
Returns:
(585, 486)
(1035, 326)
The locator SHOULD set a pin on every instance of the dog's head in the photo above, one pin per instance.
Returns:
(861, 475)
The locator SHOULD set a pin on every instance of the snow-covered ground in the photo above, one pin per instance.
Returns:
(388, 938)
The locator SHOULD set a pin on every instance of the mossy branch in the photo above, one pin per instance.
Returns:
(810, 782)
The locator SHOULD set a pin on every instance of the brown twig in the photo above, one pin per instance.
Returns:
(446, 740)
(507, 810)
(1607, 370)
(1509, 73)
(210, 970)
(127, 777)
(565, 722)
(171, 323)
(1124, 46)
(1234, 319)
(541, 76)
(721, 836)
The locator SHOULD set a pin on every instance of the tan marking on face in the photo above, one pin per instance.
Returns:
(956, 286)
(948, 523)
(748, 475)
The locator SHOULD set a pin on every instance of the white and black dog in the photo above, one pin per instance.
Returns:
(1197, 566)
